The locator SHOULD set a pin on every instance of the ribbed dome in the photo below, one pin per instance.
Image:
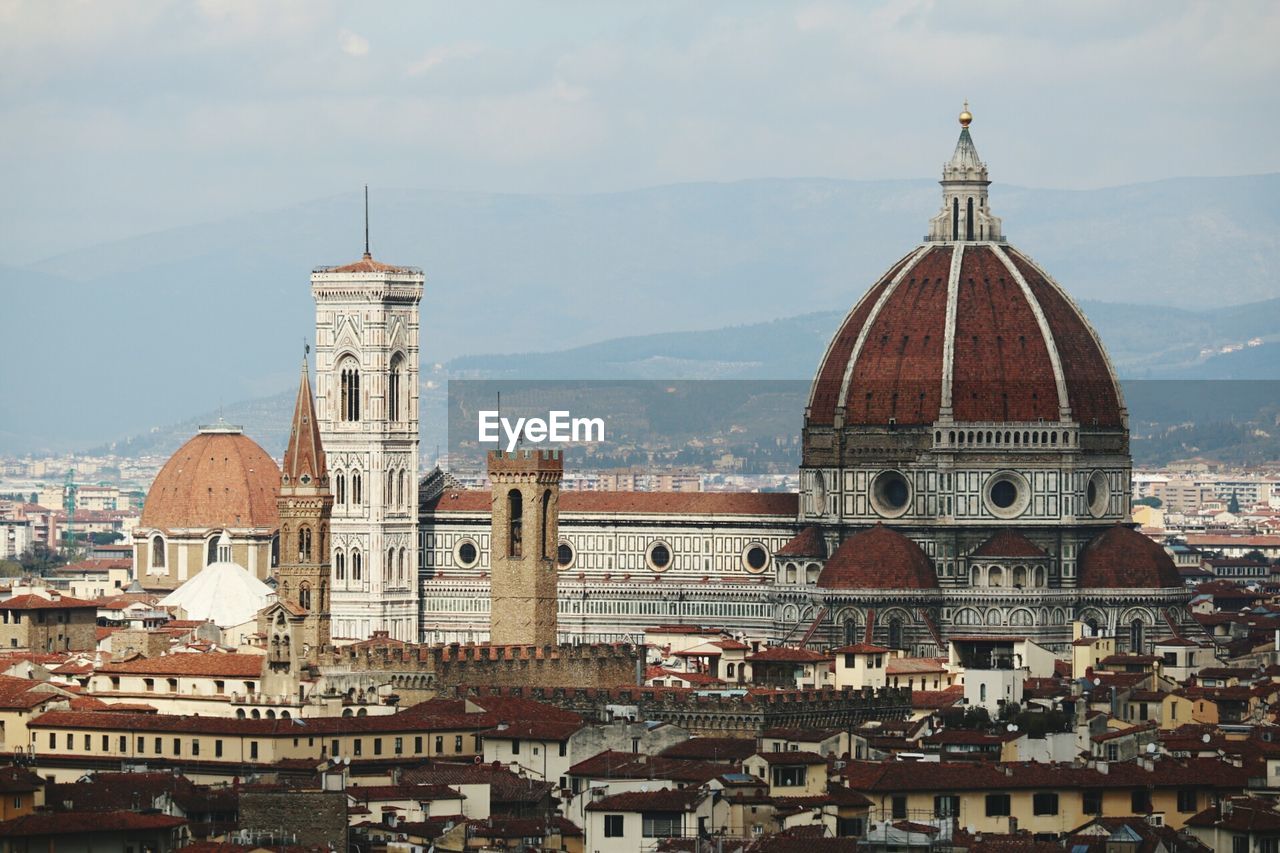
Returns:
(220, 478)
(878, 558)
(1122, 558)
(222, 593)
(991, 336)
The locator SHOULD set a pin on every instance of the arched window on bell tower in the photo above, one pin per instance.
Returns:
(515, 522)
(304, 595)
(955, 219)
(349, 383)
(395, 383)
(304, 544)
(968, 222)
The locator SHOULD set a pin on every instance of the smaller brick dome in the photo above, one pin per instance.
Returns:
(220, 478)
(1122, 558)
(878, 558)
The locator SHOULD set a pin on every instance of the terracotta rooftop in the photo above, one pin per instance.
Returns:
(229, 665)
(39, 602)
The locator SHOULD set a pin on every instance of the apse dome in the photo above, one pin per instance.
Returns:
(878, 558)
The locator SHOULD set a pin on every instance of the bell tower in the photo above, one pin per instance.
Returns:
(306, 506)
(524, 538)
(367, 408)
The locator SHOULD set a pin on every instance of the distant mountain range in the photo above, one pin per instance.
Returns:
(121, 339)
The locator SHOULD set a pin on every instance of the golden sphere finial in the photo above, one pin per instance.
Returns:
(966, 117)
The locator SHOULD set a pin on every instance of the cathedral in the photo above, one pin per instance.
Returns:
(965, 471)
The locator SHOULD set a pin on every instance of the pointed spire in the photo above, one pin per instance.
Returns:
(366, 222)
(304, 462)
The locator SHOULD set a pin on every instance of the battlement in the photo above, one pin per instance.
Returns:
(446, 666)
(525, 461)
(744, 712)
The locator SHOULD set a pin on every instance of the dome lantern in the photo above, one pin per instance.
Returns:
(965, 216)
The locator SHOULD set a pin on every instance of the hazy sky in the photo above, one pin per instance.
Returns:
(123, 117)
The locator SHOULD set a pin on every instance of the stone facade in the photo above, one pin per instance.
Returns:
(525, 529)
(310, 819)
(367, 407)
(56, 624)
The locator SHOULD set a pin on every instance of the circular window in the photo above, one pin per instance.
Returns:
(466, 554)
(1004, 494)
(659, 556)
(755, 558)
(564, 555)
(1097, 494)
(1007, 494)
(890, 494)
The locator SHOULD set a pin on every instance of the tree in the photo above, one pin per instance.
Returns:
(1153, 502)
(107, 538)
(1233, 505)
(39, 559)
(10, 569)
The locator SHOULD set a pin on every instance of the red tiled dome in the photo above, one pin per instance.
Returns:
(1122, 558)
(220, 478)
(878, 558)
(1015, 331)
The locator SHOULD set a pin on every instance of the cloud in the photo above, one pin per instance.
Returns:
(437, 57)
(353, 44)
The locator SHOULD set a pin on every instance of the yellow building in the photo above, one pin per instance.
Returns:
(1043, 798)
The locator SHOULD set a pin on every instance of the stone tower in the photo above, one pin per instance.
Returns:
(306, 507)
(524, 537)
(367, 406)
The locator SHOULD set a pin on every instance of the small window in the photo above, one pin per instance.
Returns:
(439, 744)
(253, 750)
(399, 746)
(1045, 803)
(946, 805)
(1187, 800)
(899, 808)
(457, 743)
(217, 749)
(613, 826)
(1140, 801)
(997, 805)
(1091, 801)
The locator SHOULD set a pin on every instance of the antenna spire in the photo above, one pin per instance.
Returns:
(366, 221)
